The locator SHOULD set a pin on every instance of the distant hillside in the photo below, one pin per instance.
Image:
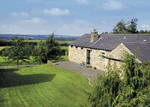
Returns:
(38, 37)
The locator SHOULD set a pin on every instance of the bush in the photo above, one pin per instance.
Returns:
(63, 51)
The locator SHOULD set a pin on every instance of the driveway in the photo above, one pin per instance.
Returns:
(74, 67)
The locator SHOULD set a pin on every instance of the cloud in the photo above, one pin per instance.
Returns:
(82, 1)
(33, 0)
(36, 20)
(112, 5)
(34, 25)
(104, 22)
(22, 14)
(146, 27)
(37, 25)
(82, 23)
(56, 12)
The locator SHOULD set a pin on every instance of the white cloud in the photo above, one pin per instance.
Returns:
(33, 0)
(112, 5)
(83, 23)
(56, 12)
(14, 14)
(104, 22)
(82, 1)
(22, 14)
(146, 27)
(38, 25)
(36, 20)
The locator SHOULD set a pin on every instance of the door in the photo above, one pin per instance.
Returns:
(88, 56)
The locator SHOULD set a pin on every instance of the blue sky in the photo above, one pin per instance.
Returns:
(70, 17)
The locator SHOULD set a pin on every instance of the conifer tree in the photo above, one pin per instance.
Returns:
(131, 91)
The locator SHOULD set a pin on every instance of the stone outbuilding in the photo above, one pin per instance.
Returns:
(96, 49)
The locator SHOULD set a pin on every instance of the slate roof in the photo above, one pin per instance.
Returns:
(109, 41)
(143, 52)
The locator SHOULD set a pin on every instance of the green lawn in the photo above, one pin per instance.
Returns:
(42, 86)
(5, 63)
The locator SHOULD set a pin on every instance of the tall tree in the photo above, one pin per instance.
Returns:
(120, 27)
(132, 28)
(48, 50)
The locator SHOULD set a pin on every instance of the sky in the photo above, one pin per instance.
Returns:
(70, 17)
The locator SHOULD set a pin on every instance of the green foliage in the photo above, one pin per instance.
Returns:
(128, 28)
(132, 27)
(18, 51)
(47, 50)
(131, 91)
(120, 27)
(141, 32)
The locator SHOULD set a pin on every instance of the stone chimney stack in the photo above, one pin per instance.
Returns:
(94, 35)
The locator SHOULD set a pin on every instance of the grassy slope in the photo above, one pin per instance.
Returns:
(43, 86)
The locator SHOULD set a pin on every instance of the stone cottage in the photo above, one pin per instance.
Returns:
(96, 49)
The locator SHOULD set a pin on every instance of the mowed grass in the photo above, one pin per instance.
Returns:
(42, 86)
(65, 57)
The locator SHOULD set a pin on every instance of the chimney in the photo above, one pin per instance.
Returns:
(94, 35)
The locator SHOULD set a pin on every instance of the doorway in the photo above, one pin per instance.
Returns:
(88, 56)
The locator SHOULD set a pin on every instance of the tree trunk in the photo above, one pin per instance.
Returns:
(18, 62)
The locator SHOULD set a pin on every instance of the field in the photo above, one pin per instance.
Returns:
(42, 86)
(44, 40)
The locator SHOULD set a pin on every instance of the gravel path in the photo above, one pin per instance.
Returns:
(74, 67)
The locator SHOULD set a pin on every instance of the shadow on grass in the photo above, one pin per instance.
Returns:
(11, 79)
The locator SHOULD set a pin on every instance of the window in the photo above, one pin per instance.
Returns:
(102, 55)
(76, 47)
(81, 47)
(71, 46)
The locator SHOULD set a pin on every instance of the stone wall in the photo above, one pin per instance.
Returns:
(76, 55)
(79, 55)
(118, 53)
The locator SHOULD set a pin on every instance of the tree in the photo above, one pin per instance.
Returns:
(103, 32)
(141, 32)
(132, 28)
(106, 32)
(120, 27)
(48, 50)
(129, 27)
(18, 51)
(131, 91)
(146, 32)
